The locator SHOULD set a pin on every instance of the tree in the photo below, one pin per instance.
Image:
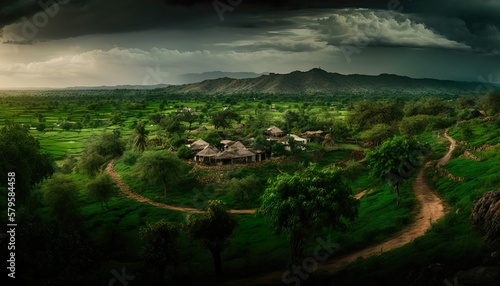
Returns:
(100, 149)
(171, 124)
(430, 106)
(466, 131)
(160, 245)
(490, 103)
(115, 119)
(184, 153)
(156, 117)
(261, 143)
(40, 127)
(290, 118)
(294, 145)
(66, 126)
(187, 115)
(366, 114)
(244, 188)
(140, 137)
(377, 134)
(213, 138)
(20, 153)
(303, 203)
(101, 189)
(159, 167)
(60, 195)
(90, 162)
(212, 229)
(78, 126)
(222, 119)
(396, 160)
(414, 125)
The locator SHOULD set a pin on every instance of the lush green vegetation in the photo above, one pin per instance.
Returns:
(84, 130)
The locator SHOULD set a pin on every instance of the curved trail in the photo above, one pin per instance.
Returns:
(431, 209)
(125, 189)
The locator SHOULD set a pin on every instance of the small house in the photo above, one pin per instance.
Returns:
(234, 154)
(198, 145)
(207, 155)
(274, 132)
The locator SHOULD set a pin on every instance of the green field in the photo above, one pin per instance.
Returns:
(253, 246)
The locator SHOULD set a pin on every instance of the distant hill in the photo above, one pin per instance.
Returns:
(106, 87)
(198, 77)
(320, 81)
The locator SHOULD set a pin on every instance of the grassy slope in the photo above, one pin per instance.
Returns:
(450, 242)
(253, 245)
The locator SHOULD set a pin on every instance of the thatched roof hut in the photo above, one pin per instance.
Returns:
(198, 145)
(274, 131)
(236, 153)
(207, 155)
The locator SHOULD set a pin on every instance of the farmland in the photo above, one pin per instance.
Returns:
(68, 123)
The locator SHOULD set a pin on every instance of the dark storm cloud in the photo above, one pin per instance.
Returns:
(474, 24)
(82, 17)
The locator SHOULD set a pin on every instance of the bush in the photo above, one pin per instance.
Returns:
(130, 157)
(184, 153)
(68, 165)
(101, 189)
(352, 169)
(40, 127)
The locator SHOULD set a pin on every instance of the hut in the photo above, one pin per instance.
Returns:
(234, 154)
(274, 132)
(299, 139)
(207, 155)
(227, 143)
(198, 145)
(314, 136)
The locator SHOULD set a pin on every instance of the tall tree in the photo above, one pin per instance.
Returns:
(302, 203)
(187, 115)
(101, 189)
(140, 137)
(160, 245)
(222, 119)
(396, 160)
(100, 149)
(366, 114)
(212, 229)
(20, 153)
(159, 167)
(244, 188)
(60, 195)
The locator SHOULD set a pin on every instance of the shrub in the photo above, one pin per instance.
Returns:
(130, 157)
(184, 153)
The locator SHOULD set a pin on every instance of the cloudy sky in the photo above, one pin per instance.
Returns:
(59, 43)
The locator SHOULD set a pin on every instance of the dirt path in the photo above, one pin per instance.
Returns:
(453, 144)
(125, 189)
(431, 208)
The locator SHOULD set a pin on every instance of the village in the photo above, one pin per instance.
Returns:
(235, 152)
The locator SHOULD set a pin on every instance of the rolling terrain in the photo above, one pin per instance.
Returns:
(319, 81)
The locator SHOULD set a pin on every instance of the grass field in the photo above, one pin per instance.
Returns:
(253, 247)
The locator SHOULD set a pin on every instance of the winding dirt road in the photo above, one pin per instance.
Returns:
(431, 208)
(127, 191)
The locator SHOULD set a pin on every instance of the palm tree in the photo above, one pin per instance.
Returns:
(141, 137)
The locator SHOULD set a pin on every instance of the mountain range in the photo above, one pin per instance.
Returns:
(320, 81)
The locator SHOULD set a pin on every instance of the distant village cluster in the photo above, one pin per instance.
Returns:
(235, 152)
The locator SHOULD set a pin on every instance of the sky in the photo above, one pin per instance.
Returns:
(62, 43)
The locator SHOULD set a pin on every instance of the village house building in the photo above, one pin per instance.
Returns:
(274, 132)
